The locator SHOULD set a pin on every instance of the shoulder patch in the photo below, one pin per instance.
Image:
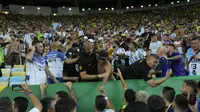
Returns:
(141, 61)
(80, 67)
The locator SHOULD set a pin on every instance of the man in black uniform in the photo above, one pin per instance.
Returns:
(71, 70)
(141, 70)
(88, 65)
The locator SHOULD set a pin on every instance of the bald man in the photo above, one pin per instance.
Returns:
(55, 61)
(89, 65)
(163, 66)
(142, 70)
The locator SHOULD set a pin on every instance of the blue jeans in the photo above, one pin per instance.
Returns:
(50, 81)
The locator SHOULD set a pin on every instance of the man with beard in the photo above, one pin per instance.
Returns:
(190, 87)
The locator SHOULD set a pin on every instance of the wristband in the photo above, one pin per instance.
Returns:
(106, 97)
(29, 93)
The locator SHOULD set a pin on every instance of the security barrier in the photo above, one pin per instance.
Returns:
(87, 91)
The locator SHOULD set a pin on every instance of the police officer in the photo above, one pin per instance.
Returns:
(142, 70)
(71, 70)
(88, 64)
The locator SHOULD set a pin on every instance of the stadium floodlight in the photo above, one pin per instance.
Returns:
(70, 8)
(132, 6)
(156, 5)
(127, 7)
(89, 9)
(22, 7)
(178, 1)
(63, 7)
(188, 0)
(112, 8)
(83, 9)
(38, 8)
(142, 6)
(106, 8)
(54, 14)
(99, 9)
(149, 5)
(172, 2)
(6, 12)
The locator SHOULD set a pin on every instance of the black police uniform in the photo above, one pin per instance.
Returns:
(71, 70)
(88, 63)
(138, 70)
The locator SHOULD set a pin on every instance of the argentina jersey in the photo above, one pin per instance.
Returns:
(194, 65)
(132, 57)
(36, 70)
(55, 61)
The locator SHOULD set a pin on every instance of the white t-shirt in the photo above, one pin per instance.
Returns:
(36, 70)
(34, 110)
(154, 46)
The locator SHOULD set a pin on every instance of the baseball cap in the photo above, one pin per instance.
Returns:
(85, 38)
(103, 54)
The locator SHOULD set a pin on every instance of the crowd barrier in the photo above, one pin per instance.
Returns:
(87, 91)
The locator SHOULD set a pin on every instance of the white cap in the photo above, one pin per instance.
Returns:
(85, 37)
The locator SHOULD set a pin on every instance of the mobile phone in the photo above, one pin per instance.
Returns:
(17, 88)
(192, 99)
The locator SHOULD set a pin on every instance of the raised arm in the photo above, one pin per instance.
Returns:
(33, 98)
(125, 87)
(43, 90)
(29, 56)
(71, 90)
(107, 73)
(109, 103)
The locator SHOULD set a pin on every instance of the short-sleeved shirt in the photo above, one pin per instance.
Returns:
(34, 110)
(133, 57)
(55, 61)
(154, 46)
(194, 65)
(177, 66)
(138, 70)
(36, 70)
(163, 66)
(141, 54)
(88, 63)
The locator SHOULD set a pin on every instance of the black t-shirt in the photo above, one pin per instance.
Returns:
(88, 63)
(138, 70)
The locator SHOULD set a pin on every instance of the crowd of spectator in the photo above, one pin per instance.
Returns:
(144, 45)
